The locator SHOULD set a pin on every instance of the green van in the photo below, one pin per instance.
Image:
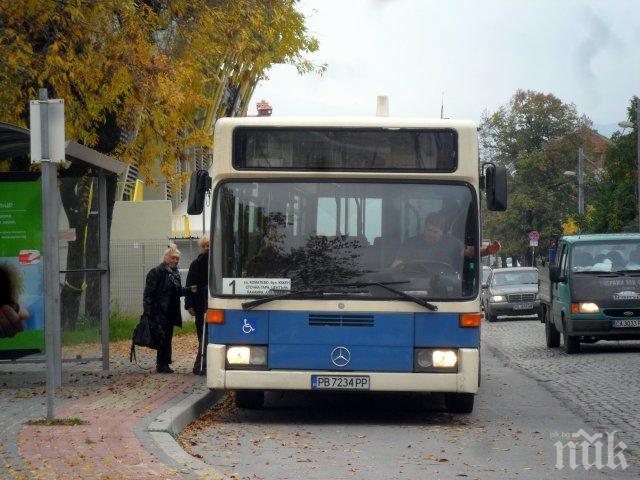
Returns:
(592, 290)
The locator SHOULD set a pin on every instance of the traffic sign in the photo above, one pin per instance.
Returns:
(533, 235)
(533, 243)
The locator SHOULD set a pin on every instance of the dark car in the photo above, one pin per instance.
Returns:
(511, 292)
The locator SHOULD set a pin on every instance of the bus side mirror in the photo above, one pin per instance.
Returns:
(198, 186)
(495, 181)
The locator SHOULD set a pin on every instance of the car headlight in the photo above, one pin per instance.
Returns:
(247, 356)
(584, 307)
(497, 298)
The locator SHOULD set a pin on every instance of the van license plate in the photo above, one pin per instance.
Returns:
(339, 382)
(626, 323)
(523, 306)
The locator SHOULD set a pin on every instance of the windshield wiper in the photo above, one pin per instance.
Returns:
(285, 294)
(628, 270)
(269, 298)
(386, 286)
(600, 272)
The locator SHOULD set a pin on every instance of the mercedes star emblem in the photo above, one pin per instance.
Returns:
(340, 356)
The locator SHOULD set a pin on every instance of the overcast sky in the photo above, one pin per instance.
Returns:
(478, 52)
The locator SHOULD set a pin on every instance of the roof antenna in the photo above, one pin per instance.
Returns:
(442, 106)
(382, 109)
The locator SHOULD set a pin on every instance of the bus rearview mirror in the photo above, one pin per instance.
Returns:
(496, 187)
(199, 184)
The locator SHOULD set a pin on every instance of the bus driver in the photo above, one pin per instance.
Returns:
(434, 245)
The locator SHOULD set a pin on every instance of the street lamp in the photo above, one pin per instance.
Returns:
(628, 124)
(580, 175)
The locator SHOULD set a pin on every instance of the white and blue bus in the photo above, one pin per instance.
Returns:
(345, 256)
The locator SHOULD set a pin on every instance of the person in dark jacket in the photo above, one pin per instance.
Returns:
(161, 300)
(196, 303)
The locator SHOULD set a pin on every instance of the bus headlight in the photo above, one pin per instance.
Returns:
(424, 358)
(445, 358)
(435, 360)
(247, 356)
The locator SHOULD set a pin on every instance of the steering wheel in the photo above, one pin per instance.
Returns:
(426, 267)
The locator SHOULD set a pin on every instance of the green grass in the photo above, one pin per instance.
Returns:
(87, 330)
(58, 421)
(120, 328)
(32, 339)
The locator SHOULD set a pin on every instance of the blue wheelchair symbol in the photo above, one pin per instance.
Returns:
(248, 326)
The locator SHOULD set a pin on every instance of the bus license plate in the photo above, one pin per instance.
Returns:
(626, 323)
(339, 382)
(523, 306)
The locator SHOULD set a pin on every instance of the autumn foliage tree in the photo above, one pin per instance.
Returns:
(536, 136)
(143, 80)
(614, 207)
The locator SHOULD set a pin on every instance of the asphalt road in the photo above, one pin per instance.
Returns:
(511, 434)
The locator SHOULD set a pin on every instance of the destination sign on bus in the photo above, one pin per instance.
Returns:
(254, 286)
(341, 149)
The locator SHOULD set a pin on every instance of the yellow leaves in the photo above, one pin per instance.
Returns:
(570, 227)
(163, 76)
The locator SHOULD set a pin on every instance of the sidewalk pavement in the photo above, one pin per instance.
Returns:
(114, 406)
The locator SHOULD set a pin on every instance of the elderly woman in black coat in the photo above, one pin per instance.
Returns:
(161, 300)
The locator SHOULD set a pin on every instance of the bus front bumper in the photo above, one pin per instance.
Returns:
(464, 381)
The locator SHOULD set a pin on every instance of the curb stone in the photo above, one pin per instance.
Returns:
(157, 432)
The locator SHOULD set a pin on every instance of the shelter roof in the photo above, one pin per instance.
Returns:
(16, 141)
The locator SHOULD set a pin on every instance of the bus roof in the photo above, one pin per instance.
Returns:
(354, 122)
(467, 169)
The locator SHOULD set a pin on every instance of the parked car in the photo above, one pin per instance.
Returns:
(511, 292)
(591, 291)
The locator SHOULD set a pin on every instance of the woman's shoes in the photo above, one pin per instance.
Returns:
(163, 369)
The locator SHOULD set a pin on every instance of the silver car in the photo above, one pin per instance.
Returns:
(511, 292)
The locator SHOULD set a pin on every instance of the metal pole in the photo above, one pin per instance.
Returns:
(144, 264)
(51, 259)
(581, 181)
(638, 152)
(104, 263)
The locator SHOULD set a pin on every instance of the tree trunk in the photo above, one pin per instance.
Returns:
(74, 193)
(92, 297)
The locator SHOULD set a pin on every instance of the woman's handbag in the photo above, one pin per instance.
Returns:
(144, 335)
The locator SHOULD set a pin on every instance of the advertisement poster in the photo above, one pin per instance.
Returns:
(21, 265)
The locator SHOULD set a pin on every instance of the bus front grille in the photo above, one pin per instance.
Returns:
(340, 320)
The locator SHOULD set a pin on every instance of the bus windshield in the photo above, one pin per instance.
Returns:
(274, 236)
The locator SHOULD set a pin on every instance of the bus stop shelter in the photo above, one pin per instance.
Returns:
(14, 148)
